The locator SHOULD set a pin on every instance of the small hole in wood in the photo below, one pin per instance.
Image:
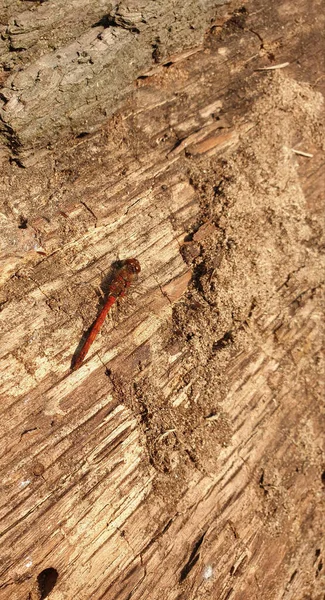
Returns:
(46, 581)
(23, 222)
(323, 478)
(223, 342)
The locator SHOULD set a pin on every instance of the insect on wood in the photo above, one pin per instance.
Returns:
(124, 276)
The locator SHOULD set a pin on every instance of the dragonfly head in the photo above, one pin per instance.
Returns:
(133, 264)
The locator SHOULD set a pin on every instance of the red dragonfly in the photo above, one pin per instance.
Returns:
(120, 283)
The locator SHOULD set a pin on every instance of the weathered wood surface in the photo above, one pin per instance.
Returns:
(184, 459)
(76, 60)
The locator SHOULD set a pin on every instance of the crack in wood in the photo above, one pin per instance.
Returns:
(28, 431)
(193, 558)
(90, 211)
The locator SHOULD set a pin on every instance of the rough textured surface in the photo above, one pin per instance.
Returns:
(67, 79)
(184, 459)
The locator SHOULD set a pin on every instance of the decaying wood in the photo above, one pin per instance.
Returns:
(184, 458)
(82, 60)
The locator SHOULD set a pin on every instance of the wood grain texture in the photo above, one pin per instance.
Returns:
(184, 459)
(77, 60)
